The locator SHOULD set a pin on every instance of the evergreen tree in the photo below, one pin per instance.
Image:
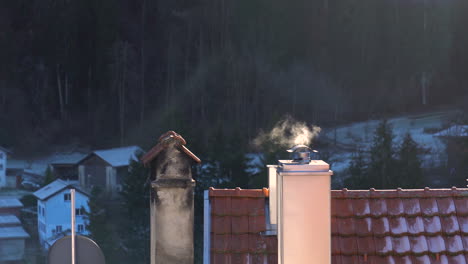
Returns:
(98, 222)
(382, 160)
(49, 177)
(409, 165)
(358, 170)
(135, 225)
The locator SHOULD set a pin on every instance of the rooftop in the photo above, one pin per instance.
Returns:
(117, 157)
(9, 220)
(13, 232)
(368, 226)
(55, 187)
(10, 203)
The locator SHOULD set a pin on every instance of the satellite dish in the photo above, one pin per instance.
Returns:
(86, 251)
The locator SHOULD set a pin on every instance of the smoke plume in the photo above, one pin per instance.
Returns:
(288, 133)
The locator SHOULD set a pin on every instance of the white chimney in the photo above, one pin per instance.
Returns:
(300, 206)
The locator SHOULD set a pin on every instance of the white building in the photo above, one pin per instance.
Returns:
(3, 165)
(53, 211)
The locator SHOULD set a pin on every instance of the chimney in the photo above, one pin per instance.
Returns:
(300, 207)
(171, 200)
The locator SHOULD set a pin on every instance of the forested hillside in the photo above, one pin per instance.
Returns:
(109, 72)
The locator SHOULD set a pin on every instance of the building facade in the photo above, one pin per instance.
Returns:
(54, 211)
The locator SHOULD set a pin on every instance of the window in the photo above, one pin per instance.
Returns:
(1, 166)
(43, 211)
(67, 197)
(1, 156)
(80, 228)
(79, 211)
(58, 229)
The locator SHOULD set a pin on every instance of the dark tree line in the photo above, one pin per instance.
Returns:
(117, 72)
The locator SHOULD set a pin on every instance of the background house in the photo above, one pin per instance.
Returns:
(3, 165)
(66, 167)
(53, 211)
(106, 168)
(12, 234)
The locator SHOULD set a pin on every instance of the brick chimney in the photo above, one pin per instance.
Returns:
(301, 208)
(171, 204)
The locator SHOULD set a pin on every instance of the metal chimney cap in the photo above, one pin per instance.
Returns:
(299, 148)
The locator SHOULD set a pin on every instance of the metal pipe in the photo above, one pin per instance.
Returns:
(72, 207)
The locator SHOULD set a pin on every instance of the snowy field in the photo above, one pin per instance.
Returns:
(424, 129)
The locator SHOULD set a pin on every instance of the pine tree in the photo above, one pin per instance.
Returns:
(409, 165)
(135, 225)
(98, 222)
(358, 170)
(382, 160)
(49, 176)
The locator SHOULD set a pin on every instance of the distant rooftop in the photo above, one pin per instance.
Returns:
(10, 203)
(55, 187)
(13, 232)
(117, 157)
(454, 131)
(9, 220)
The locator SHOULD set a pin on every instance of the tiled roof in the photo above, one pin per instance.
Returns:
(373, 226)
(237, 220)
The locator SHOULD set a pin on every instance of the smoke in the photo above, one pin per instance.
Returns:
(288, 133)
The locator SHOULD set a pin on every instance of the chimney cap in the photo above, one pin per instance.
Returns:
(163, 143)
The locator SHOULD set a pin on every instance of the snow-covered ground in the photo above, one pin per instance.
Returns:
(423, 128)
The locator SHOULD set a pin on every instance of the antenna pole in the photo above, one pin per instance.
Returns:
(72, 206)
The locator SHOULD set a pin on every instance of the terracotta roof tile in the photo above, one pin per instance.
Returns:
(383, 245)
(401, 245)
(446, 206)
(239, 258)
(361, 207)
(366, 245)
(411, 206)
(463, 222)
(449, 224)
(363, 226)
(378, 207)
(421, 259)
(418, 244)
(240, 224)
(395, 207)
(428, 206)
(398, 225)
(221, 206)
(380, 226)
(432, 225)
(343, 208)
(461, 206)
(349, 259)
(415, 225)
(346, 226)
(435, 244)
(348, 245)
(221, 224)
(457, 259)
(454, 244)
(240, 243)
(258, 259)
(240, 205)
(376, 226)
